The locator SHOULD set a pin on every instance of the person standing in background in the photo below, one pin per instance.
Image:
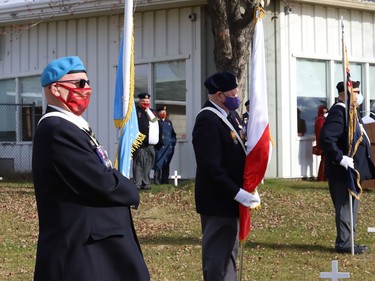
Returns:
(164, 154)
(144, 156)
(319, 121)
(245, 116)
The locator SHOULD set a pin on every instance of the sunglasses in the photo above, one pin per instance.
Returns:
(81, 83)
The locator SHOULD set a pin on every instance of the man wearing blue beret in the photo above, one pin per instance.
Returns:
(220, 155)
(86, 230)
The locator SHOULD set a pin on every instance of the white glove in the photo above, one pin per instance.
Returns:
(347, 162)
(255, 200)
(251, 200)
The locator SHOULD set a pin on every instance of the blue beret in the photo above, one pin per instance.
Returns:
(221, 81)
(59, 67)
(144, 96)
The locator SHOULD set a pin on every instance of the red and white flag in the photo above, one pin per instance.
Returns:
(258, 132)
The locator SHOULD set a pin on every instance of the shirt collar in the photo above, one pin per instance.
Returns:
(222, 111)
(79, 120)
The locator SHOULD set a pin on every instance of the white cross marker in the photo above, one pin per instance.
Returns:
(175, 177)
(371, 229)
(335, 274)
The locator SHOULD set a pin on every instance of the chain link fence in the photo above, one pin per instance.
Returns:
(17, 127)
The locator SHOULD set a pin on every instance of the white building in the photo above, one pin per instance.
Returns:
(173, 56)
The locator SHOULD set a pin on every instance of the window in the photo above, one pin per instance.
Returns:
(7, 112)
(311, 93)
(170, 91)
(140, 79)
(372, 89)
(355, 75)
(168, 84)
(20, 108)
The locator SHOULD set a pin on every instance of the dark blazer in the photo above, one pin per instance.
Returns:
(334, 143)
(86, 231)
(220, 166)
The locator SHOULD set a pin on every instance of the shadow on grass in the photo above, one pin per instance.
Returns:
(169, 240)
(176, 241)
(296, 247)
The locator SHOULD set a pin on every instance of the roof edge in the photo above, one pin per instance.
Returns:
(47, 10)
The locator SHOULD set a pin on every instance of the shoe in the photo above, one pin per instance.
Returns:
(358, 249)
(146, 187)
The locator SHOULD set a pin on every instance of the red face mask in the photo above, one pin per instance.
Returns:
(145, 105)
(162, 115)
(78, 99)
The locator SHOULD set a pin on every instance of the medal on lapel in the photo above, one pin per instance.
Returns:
(103, 156)
(233, 135)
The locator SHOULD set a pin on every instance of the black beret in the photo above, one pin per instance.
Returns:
(340, 87)
(161, 108)
(144, 96)
(221, 82)
(356, 84)
(247, 103)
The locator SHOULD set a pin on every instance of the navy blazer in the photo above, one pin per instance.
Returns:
(220, 165)
(85, 224)
(334, 142)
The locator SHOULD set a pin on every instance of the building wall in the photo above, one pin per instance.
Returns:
(313, 32)
(160, 35)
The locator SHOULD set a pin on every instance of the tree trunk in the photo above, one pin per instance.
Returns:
(232, 31)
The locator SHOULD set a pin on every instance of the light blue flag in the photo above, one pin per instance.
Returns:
(129, 137)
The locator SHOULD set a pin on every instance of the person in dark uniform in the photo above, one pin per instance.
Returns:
(220, 157)
(245, 116)
(86, 229)
(144, 156)
(164, 154)
(334, 143)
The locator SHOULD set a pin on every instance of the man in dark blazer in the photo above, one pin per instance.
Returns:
(245, 116)
(144, 155)
(86, 230)
(220, 157)
(334, 142)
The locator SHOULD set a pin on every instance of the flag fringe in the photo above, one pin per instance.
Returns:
(138, 142)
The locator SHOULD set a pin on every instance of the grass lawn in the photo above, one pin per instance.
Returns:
(292, 234)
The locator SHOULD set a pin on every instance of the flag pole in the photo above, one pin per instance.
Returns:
(240, 253)
(347, 108)
(126, 59)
